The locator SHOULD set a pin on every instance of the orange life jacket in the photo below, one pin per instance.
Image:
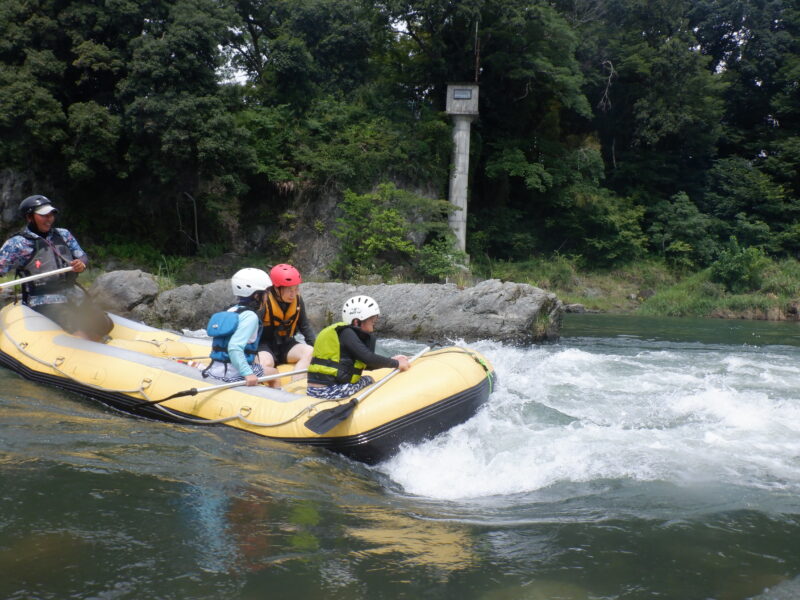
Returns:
(283, 324)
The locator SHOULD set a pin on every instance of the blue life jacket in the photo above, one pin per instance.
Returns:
(221, 327)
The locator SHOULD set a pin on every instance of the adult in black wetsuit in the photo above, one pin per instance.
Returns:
(343, 350)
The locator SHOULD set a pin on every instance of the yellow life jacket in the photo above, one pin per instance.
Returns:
(327, 365)
(281, 324)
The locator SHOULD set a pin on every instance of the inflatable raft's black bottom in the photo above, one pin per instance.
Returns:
(370, 447)
(381, 443)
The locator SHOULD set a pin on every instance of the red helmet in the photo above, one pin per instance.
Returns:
(285, 275)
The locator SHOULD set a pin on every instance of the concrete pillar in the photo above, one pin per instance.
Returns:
(459, 177)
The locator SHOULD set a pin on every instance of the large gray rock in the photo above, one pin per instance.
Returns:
(187, 306)
(121, 291)
(496, 310)
(503, 311)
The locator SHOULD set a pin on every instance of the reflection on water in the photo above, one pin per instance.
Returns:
(635, 459)
(419, 542)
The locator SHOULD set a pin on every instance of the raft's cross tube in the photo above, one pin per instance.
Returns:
(222, 386)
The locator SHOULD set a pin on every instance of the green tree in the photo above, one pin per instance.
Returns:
(33, 122)
(680, 232)
(378, 230)
(122, 100)
(781, 156)
(658, 101)
(182, 139)
(603, 228)
(599, 119)
(747, 204)
(759, 36)
(522, 54)
(297, 50)
(739, 269)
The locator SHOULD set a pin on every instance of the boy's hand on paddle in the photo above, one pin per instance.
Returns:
(403, 365)
(78, 265)
(250, 380)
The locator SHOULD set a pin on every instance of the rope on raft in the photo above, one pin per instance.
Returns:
(242, 416)
(243, 412)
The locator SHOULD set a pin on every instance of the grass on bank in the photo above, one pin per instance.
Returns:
(650, 287)
(777, 290)
(750, 286)
(616, 290)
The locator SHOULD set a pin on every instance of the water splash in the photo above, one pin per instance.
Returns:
(625, 409)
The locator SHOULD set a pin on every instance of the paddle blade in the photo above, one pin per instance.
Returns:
(327, 419)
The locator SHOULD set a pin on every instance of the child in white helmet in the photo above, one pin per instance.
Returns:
(343, 350)
(235, 332)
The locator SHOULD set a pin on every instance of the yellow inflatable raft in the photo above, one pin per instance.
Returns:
(140, 366)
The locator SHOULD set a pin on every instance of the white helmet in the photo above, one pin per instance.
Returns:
(359, 307)
(247, 282)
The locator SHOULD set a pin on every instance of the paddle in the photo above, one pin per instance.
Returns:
(221, 386)
(34, 277)
(327, 419)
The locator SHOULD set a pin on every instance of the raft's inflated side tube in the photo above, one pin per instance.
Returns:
(443, 388)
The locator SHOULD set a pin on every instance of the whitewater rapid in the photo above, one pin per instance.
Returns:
(596, 410)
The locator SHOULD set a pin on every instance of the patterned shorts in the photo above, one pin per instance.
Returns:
(340, 391)
(258, 371)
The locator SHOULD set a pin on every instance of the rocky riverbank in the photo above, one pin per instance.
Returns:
(492, 309)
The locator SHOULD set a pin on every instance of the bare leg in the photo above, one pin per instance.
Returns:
(300, 355)
(266, 360)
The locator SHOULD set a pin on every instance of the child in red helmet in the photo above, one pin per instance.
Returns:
(285, 316)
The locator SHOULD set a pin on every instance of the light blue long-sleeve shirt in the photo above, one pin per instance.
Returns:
(245, 332)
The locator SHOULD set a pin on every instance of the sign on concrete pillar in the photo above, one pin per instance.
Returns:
(462, 105)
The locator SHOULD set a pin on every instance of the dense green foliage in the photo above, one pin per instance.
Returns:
(739, 269)
(772, 296)
(652, 287)
(376, 231)
(609, 130)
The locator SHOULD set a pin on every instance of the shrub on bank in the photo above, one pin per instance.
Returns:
(557, 273)
(694, 296)
(740, 269)
(772, 284)
(699, 295)
(603, 289)
(391, 229)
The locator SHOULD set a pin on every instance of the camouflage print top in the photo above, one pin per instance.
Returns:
(18, 250)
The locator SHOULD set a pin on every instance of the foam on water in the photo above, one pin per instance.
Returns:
(626, 411)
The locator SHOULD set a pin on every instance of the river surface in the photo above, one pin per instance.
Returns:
(637, 458)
